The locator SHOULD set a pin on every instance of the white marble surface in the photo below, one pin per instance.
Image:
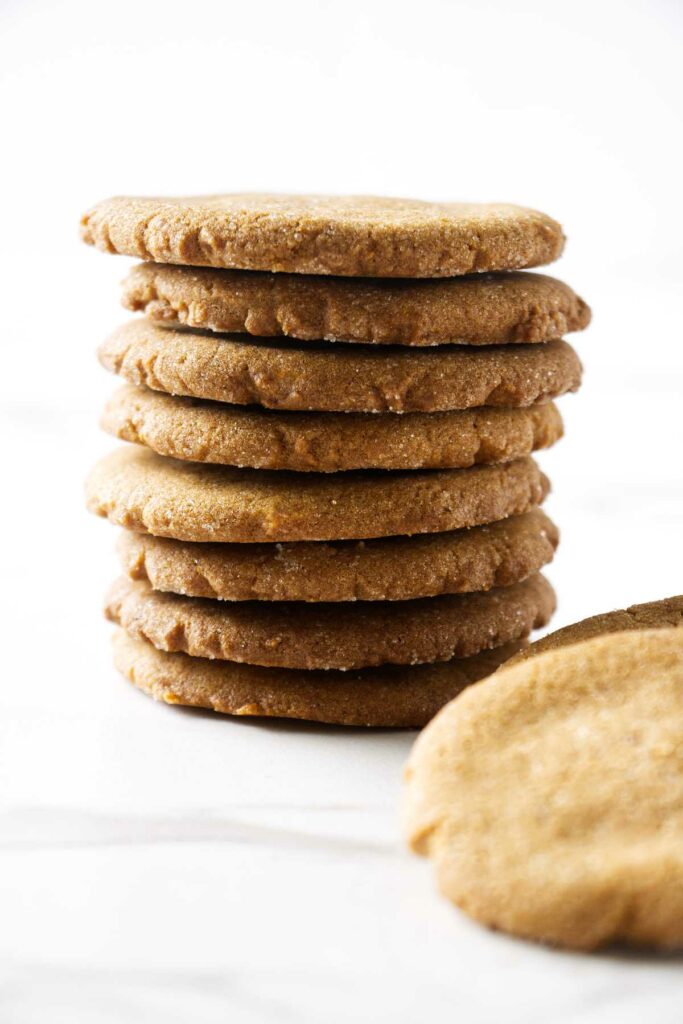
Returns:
(163, 865)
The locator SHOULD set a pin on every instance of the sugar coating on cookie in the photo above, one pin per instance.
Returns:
(483, 309)
(340, 378)
(550, 796)
(140, 490)
(344, 235)
(390, 696)
(332, 636)
(230, 435)
(387, 569)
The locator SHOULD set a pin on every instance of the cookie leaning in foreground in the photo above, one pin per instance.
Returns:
(550, 795)
(355, 236)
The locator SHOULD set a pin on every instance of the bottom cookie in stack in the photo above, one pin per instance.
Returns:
(396, 696)
(371, 664)
(275, 616)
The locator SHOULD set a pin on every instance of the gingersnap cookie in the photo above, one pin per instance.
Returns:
(348, 378)
(393, 696)
(653, 615)
(550, 796)
(485, 309)
(387, 569)
(231, 435)
(352, 236)
(135, 488)
(325, 636)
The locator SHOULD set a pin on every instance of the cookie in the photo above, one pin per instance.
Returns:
(388, 569)
(346, 378)
(654, 615)
(135, 488)
(352, 236)
(550, 796)
(485, 309)
(231, 435)
(326, 636)
(390, 696)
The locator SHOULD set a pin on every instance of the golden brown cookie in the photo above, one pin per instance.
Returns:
(325, 636)
(353, 236)
(654, 615)
(388, 569)
(484, 309)
(343, 378)
(140, 490)
(550, 796)
(325, 442)
(391, 695)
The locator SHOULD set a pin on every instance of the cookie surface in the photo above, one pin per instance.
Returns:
(345, 235)
(486, 309)
(135, 488)
(343, 378)
(391, 695)
(550, 796)
(331, 636)
(392, 568)
(653, 615)
(231, 435)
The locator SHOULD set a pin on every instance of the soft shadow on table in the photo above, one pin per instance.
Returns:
(292, 725)
(617, 952)
(644, 956)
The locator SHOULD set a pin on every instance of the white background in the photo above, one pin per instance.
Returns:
(157, 864)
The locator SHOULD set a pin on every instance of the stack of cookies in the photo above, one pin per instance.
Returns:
(330, 507)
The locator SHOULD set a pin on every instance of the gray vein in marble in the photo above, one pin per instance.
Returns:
(47, 828)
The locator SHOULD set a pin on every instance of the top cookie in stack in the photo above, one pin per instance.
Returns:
(430, 520)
